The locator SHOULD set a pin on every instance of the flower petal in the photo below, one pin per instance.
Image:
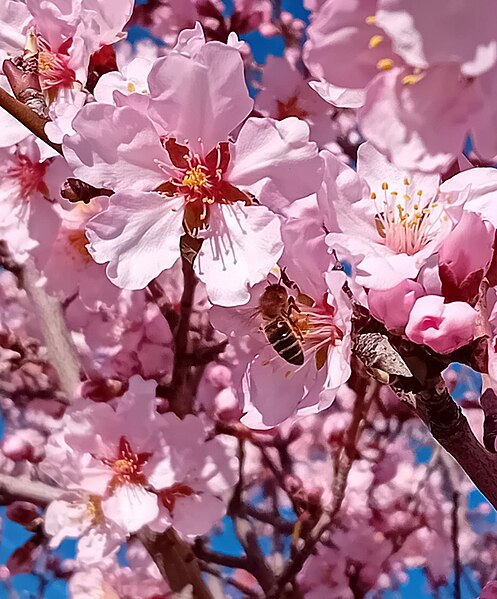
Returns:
(138, 235)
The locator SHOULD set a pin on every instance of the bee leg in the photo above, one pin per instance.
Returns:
(292, 305)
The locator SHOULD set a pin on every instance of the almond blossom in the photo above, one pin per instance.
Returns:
(136, 467)
(190, 177)
(390, 228)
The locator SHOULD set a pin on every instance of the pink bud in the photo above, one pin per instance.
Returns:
(393, 306)
(464, 258)
(16, 448)
(443, 327)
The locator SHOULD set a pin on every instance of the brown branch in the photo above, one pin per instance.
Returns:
(280, 524)
(256, 564)
(27, 117)
(167, 310)
(448, 425)
(455, 544)
(15, 488)
(61, 352)
(247, 592)
(181, 395)
(220, 559)
(175, 560)
(346, 457)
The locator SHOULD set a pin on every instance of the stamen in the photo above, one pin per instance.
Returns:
(375, 41)
(385, 64)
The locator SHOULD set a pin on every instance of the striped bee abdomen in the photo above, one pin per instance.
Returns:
(285, 340)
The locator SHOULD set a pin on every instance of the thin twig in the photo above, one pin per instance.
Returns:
(256, 564)
(455, 544)
(221, 559)
(248, 592)
(346, 458)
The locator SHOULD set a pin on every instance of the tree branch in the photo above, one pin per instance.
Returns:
(175, 560)
(181, 396)
(448, 425)
(61, 352)
(15, 488)
(346, 457)
(27, 117)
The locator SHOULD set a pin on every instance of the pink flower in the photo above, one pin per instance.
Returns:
(63, 35)
(191, 178)
(322, 324)
(464, 258)
(390, 117)
(78, 515)
(27, 216)
(443, 327)
(467, 38)
(393, 306)
(391, 230)
(344, 46)
(139, 467)
(285, 92)
(69, 268)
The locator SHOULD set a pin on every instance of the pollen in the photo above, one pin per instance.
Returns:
(384, 186)
(195, 177)
(375, 41)
(131, 87)
(94, 510)
(411, 79)
(385, 64)
(45, 61)
(371, 20)
(373, 196)
(77, 240)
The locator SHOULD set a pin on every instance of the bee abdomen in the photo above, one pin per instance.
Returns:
(285, 341)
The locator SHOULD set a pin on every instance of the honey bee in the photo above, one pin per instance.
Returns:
(275, 307)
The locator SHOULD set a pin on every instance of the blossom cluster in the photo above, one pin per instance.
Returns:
(216, 236)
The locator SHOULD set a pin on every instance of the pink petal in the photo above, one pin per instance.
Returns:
(115, 148)
(279, 152)
(138, 235)
(241, 246)
(204, 97)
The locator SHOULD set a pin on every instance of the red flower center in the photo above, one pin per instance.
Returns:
(30, 175)
(53, 66)
(201, 182)
(127, 466)
(171, 494)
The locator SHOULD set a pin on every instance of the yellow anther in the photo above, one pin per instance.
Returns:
(375, 41)
(131, 87)
(371, 20)
(420, 192)
(195, 178)
(385, 64)
(373, 196)
(434, 205)
(384, 186)
(395, 193)
(411, 79)
(426, 211)
(406, 181)
(416, 206)
(407, 197)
